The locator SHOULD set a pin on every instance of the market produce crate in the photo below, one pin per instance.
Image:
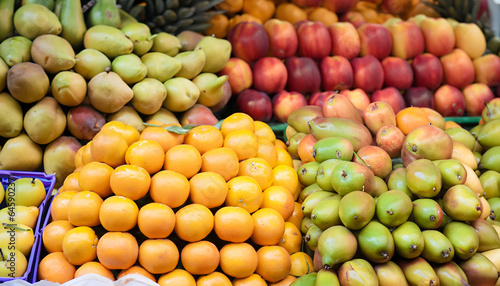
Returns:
(48, 181)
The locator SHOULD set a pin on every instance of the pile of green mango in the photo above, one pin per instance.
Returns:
(434, 219)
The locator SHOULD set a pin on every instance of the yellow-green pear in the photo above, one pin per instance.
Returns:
(4, 69)
(211, 88)
(181, 94)
(166, 43)
(27, 82)
(69, 88)
(192, 63)
(149, 95)
(108, 93)
(163, 115)
(90, 62)
(20, 153)
(11, 116)
(32, 20)
(109, 40)
(129, 116)
(15, 50)
(161, 66)
(217, 52)
(140, 35)
(53, 53)
(59, 158)
(45, 121)
(130, 68)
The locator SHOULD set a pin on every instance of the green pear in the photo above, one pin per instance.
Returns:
(336, 245)
(11, 116)
(312, 236)
(489, 134)
(140, 35)
(376, 242)
(326, 212)
(20, 153)
(293, 144)
(32, 20)
(53, 53)
(299, 117)
(109, 40)
(408, 240)
(27, 82)
(488, 236)
(333, 148)
(181, 94)
(490, 160)
(166, 43)
(452, 172)
(491, 110)
(307, 173)
(69, 88)
(327, 277)
(356, 209)
(90, 62)
(161, 66)
(59, 158)
(217, 52)
(6, 24)
(211, 87)
(396, 180)
(323, 176)
(47, 3)
(4, 69)
(479, 268)
(463, 237)
(357, 271)
(462, 135)
(490, 181)
(306, 191)
(305, 224)
(461, 203)
(390, 273)
(130, 68)
(423, 178)
(451, 274)
(108, 92)
(72, 22)
(192, 63)
(427, 213)
(104, 12)
(393, 208)
(149, 95)
(313, 199)
(419, 271)
(45, 121)
(437, 247)
(15, 50)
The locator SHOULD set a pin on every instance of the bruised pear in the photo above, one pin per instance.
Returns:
(428, 142)
(53, 53)
(27, 82)
(84, 122)
(45, 121)
(108, 92)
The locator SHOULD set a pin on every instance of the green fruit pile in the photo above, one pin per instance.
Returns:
(432, 219)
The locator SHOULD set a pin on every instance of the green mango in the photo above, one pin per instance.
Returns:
(494, 203)
(349, 176)
(488, 236)
(72, 22)
(357, 271)
(306, 191)
(299, 118)
(356, 209)
(16, 49)
(104, 12)
(109, 40)
(446, 218)
(397, 181)
(479, 268)
(358, 134)
(390, 273)
(491, 110)
(376, 243)
(489, 134)
(393, 208)
(437, 247)
(490, 160)
(312, 200)
(452, 172)
(324, 175)
(408, 240)
(419, 271)
(140, 35)
(427, 213)
(336, 245)
(307, 173)
(462, 135)
(451, 274)
(160, 66)
(423, 178)
(327, 277)
(461, 203)
(305, 280)
(312, 236)
(326, 213)
(463, 237)
(32, 20)
(332, 148)
(490, 181)
(426, 142)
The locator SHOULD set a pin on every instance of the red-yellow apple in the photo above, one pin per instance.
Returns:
(378, 114)
(470, 38)
(239, 75)
(303, 75)
(391, 96)
(391, 139)
(256, 104)
(427, 71)
(314, 40)
(345, 40)
(487, 69)
(407, 39)
(449, 101)
(285, 102)
(458, 69)
(358, 97)
(375, 40)
(249, 41)
(336, 73)
(353, 17)
(368, 73)
(269, 75)
(317, 98)
(476, 95)
(439, 36)
(397, 73)
(283, 41)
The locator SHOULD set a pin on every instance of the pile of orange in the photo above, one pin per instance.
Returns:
(213, 206)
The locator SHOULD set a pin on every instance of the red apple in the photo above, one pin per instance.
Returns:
(339, 6)
(285, 102)
(458, 69)
(283, 40)
(375, 40)
(368, 73)
(427, 71)
(353, 17)
(391, 139)
(449, 101)
(317, 98)
(256, 104)
(239, 75)
(345, 40)
(476, 95)
(391, 96)
(303, 75)
(407, 39)
(269, 75)
(487, 69)
(439, 36)
(314, 39)
(358, 97)
(249, 41)
(336, 73)
(419, 96)
(397, 73)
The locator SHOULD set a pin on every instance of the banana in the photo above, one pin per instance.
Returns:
(6, 18)
(73, 22)
(185, 12)
(494, 256)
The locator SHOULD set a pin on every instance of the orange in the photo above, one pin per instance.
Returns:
(323, 15)
(292, 238)
(170, 188)
(200, 258)
(87, 154)
(243, 142)
(118, 213)
(79, 245)
(130, 181)
(302, 264)
(280, 144)
(267, 151)
(261, 9)
(218, 26)
(297, 215)
(410, 118)
(59, 205)
(280, 199)
(208, 189)
(146, 153)
(286, 176)
(204, 138)
(305, 148)
(83, 209)
(214, 279)
(55, 267)
(259, 169)
(193, 222)
(158, 255)
(274, 263)
(184, 159)
(283, 157)
(53, 234)
(136, 269)
(129, 132)
(117, 250)
(232, 6)
(162, 136)
(223, 161)
(269, 227)
(245, 192)
(233, 224)
(71, 182)
(156, 220)
(177, 277)
(109, 146)
(290, 12)
(252, 280)
(94, 176)
(94, 267)
(237, 121)
(263, 131)
(284, 282)
(78, 157)
(238, 260)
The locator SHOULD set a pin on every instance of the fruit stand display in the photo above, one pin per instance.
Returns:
(250, 142)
